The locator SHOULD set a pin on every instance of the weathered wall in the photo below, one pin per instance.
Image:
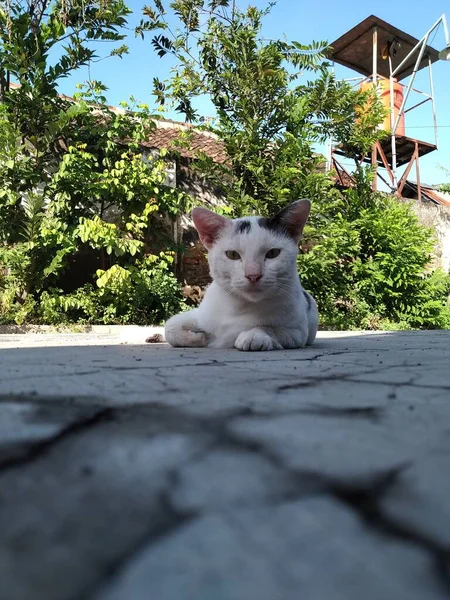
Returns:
(189, 181)
(437, 217)
(194, 270)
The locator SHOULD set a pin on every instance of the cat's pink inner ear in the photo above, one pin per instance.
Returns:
(295, 216)
(209, 225)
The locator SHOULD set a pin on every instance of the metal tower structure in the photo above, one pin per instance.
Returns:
(390, 59)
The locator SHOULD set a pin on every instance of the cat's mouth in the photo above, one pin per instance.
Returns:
(253, 291)
(250, 291)
(256, 286)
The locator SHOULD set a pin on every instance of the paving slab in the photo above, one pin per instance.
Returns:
(131, 470)
(315, 549)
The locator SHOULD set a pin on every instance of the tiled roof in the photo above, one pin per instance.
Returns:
(427, 192)
(344, 179)
(167, 132)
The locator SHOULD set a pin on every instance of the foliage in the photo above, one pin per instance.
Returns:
(73, 185)
(145, 292)
(266, 119)
(365, 258)
(445, 187)
(365, 255)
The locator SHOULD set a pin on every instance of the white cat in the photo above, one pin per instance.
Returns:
(256, 301)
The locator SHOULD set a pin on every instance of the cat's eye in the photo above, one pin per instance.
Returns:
(273, 253)
(233, 255)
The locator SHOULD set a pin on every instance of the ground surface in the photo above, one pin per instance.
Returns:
(143, 472)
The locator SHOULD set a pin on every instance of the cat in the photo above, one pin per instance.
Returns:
(256, 301)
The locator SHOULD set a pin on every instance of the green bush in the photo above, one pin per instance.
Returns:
(72, 179)
(366, 260)
(145, 293)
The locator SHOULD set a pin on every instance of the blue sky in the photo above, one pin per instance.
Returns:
(304, 22)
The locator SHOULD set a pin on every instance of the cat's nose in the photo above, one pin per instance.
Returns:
(254, 277)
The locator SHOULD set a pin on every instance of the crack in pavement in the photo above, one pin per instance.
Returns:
(34, 450)
(46, 375)
(311, 381)
(167, 520)
(373, 413)
(102, 369)
(368, 506)
(411, 383)
(362, 495)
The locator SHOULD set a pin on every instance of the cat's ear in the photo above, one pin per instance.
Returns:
(293, 218)
(209, 225)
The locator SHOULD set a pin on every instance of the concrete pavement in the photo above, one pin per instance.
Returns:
(132, 471)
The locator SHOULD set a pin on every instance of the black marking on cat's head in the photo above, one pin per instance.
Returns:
(308, 299)
(289, 221)
(274, 225)
(243, 227)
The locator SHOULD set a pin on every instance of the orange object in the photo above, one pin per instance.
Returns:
(384, 92)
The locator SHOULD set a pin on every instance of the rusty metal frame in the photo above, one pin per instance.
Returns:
(415, 158)
(340, 169)
(419, 49)
(382, 155)
(377, 151)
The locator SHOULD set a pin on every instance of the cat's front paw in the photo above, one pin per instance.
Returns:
(256, 340)
(194, 337)
(183, 331)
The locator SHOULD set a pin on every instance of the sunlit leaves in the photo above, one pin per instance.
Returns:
(162, 45)
(73, 177)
